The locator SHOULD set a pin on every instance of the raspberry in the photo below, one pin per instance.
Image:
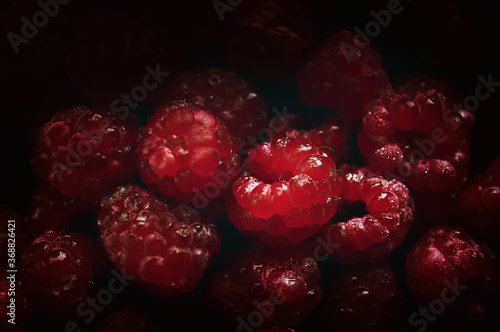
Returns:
(363, 298)
(167, 250)
(287, 193)
(413, 131)
(268, 37)
(448, 258)
(130, 319)
(480, 202)
(225, 95)
(376, 234)
(341, 76)
(52, 210)
(185, 153)
(22, 313)
(84, 152)
(57, 274)
(282, 284)
(332, 138)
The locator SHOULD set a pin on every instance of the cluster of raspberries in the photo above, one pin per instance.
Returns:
(304, 229)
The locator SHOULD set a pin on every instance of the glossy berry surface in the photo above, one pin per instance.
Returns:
(288, 192)
(376, 234)
(342, 76)
(415, 132)
(447, 264)
(167, 250)
(445, 254)
(57, 273)
(184, 152)
(225, 95)
(85, 152)
(363, 298)
(331, 138)
(280, 284)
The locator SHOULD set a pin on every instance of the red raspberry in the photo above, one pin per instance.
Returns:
(57, 274)
(268, 37)
(363, 298)
(288, 192)
(185, 152)
(376, 234)
(413, 131)
(52, 210)
(332, 138)
(342, 76)
(225, 95)
(480, 202)
(130, 319)
(22, 311)
(447, 259)
(84, 152)
(167, 250)
(267, 286)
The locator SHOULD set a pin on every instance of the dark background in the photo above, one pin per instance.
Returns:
(454, 41)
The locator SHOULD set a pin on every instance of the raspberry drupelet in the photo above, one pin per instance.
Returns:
(167, 250)
(86, 152)
(289, 190)
(57, 273)
(331, 137)
(341, 76)
(364, 297)
(447, 263)
(376, 234)
(415, 132)
(184, 152)
(480, 202)
(282, 284)
(225, 95)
